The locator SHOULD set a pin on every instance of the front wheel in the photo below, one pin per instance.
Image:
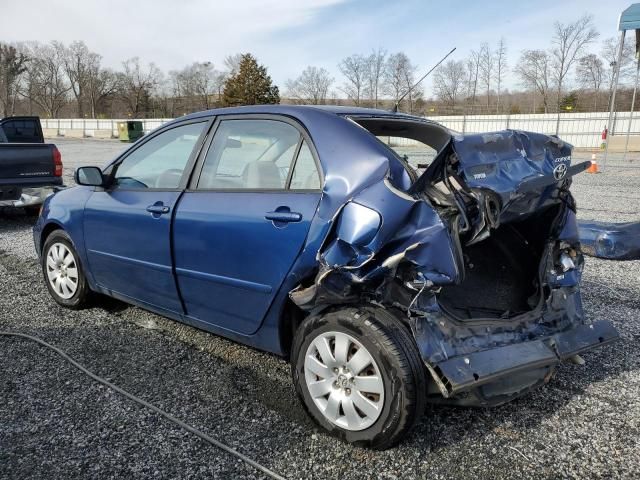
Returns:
(63, 273)
(359, 375)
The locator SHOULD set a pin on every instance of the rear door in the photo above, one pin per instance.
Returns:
(128, 226)
(243, 222)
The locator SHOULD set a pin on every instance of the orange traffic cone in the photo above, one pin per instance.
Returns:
(593, 168)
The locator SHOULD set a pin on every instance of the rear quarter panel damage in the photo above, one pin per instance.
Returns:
(362, 264)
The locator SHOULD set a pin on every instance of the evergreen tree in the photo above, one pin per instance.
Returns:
(251, 85)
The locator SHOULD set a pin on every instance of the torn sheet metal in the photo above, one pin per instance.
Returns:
(402, 248)
(612, 241)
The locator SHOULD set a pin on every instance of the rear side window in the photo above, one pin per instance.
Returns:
(249, 155)
(160, 162)
(305, 173)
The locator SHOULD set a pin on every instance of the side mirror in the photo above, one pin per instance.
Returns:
(89, 176)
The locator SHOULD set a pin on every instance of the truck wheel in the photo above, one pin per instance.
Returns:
(359, 375)
(63, 272)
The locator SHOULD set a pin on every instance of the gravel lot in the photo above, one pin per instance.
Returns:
(55, 422)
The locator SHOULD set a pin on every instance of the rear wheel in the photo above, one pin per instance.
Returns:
(63, 273)
(359, 375)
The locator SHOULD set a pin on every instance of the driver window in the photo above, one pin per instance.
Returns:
(160, 162)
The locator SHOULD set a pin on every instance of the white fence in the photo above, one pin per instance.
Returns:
(583, 130)
(78, 127)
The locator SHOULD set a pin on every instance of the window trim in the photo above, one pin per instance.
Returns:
(189, 166)
(192, 186)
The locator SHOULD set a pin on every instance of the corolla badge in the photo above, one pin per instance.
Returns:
(560, 171)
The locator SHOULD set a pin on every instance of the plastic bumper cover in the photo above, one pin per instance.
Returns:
(465, 372)
(29, 197)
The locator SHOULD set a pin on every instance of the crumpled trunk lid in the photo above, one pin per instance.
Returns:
(501, 176)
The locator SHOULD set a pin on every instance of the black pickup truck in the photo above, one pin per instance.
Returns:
(29, 168)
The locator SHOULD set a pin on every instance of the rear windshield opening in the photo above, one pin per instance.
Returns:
(416, 143)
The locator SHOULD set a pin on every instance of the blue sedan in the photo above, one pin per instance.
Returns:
(393, 261)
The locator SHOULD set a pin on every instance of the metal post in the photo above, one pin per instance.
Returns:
(616, 73)
(633, 102)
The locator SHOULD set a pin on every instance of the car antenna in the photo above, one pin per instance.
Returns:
(395, 107)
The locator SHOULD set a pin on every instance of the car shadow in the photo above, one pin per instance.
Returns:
(15, 218)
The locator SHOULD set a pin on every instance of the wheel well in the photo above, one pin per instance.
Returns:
(291, 318)
(46, 231)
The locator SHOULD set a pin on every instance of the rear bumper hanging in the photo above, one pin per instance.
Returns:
(465, 372)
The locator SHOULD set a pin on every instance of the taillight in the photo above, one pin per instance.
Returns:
(57, 161)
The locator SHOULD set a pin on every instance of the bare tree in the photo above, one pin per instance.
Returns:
(311, 86)
(46, 83)
(609, 55)
(399, 77)
(473, 72)
(590, 74)
(569, 41)
(136, 85)
(12, 65)
(501, 68)
(102, 84)
(534, 70)
(354, 69)
(487, 64)
(232, 64)
(448, 81)
(374, 75)
(81, 67)
(200, 81)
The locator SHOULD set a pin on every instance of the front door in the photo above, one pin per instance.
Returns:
(128, 226)
(243, 223)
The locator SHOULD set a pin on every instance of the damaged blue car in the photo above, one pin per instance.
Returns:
(393, 261)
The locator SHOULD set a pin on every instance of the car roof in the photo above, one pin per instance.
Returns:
(294, 110)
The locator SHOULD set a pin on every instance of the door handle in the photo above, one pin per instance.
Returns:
(283, 216)
(158, 209)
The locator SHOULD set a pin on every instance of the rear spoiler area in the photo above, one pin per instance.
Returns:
(537, 183)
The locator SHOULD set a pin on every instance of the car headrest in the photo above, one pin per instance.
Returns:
(262, 175)
(169, 179)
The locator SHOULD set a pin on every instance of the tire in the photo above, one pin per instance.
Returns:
(64, 276)
(399, 402)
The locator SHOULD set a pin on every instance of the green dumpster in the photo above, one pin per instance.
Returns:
(130, 131)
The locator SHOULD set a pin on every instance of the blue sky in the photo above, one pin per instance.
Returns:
(288, 35)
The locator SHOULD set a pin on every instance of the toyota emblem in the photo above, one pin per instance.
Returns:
(560, 171)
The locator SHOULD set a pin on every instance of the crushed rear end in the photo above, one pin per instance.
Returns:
(480, 255)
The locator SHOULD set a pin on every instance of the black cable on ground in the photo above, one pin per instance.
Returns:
(150, 406)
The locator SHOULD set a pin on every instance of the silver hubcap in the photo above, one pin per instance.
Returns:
(62, 270)
(344, 381)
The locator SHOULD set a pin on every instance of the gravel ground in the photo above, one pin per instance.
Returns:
(55, 422)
